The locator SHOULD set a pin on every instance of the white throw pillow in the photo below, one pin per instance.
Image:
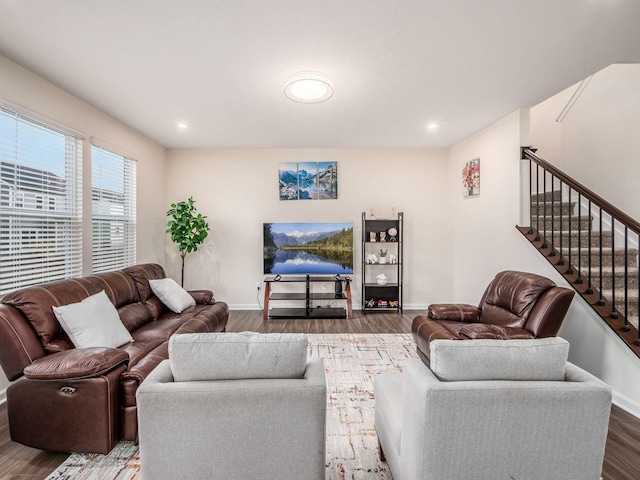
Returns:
(93, 322)
(171, 294)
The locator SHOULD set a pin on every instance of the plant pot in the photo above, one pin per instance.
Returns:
(382, 260)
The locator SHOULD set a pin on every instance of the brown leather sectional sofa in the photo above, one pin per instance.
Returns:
(68, 399)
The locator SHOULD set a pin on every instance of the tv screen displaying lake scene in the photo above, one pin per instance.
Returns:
(308, 248)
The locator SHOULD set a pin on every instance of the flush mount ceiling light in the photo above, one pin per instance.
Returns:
(308, 87)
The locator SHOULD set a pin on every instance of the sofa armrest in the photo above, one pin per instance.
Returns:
(459, 312)
(202, 297)
(76, 363)
(475, 331)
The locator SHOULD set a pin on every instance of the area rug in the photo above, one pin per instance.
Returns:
(351, 363)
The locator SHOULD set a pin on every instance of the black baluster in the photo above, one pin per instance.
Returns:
(579, 280)
(570, 267)
(561, 261)
(530, 231)
(544, 207)
(537, 239)
(552, 253)
(614, 313)
(589, 289)
(638, 337)
(600, 301)
(625, 327)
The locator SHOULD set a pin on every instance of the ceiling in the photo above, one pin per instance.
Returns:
(397, 65)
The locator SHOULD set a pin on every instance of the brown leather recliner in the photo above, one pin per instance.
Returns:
(515, 305)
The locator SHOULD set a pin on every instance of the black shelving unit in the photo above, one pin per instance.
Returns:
(386, 234)
(307, 302)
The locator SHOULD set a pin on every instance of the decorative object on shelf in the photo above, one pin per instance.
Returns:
(187, 227)
(383, 236)
(393, 304)
(372, 259)
(308, 180)
(393, 259)
(383, 255)
(372, 236)
(381, 279)
(393, 234)
(471, 178)
(383, 303)
(371, 303)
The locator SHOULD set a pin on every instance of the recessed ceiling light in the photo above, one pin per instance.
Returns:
(433, 126)
(182, 126)
(308, 87)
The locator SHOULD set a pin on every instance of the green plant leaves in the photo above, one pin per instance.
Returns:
(187, 227)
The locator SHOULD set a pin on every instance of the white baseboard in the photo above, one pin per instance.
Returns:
(626, 404)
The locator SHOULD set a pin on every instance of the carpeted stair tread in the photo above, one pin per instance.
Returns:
(580, 237)
(541, 197)
(556, 207)
(607, 257)
(541, 223)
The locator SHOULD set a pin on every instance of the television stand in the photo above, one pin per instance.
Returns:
(311, 303)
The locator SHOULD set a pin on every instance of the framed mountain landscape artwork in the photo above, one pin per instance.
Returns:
(471, 178)
(308, 180)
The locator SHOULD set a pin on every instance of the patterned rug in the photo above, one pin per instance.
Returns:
(351, 363)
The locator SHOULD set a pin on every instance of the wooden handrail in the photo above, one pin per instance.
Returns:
(528, 153)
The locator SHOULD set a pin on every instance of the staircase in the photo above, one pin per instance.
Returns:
(590, 242)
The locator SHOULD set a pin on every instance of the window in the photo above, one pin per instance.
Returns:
(113, 194)
(40, 166)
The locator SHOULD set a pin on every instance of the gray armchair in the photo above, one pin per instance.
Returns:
(234, 406)
(493, 409)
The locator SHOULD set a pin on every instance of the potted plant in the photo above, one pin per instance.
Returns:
(187, 227)
(383, 255)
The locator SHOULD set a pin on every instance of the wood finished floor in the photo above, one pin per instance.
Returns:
(622, 455)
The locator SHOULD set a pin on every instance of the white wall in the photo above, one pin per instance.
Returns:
(484, 225)
(22, 87)
(486, 241)
(597, 143)
(238, 191)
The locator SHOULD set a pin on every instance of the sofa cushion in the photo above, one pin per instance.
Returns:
(464, 360)
(36, 302)
(171, 294)
(227, 356)
(141, 274)
(475, 331)
(93, 322)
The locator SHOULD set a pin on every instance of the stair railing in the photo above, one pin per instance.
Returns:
(548, 234)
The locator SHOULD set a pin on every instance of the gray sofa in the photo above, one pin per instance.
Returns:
(234, 406)
(493, 409)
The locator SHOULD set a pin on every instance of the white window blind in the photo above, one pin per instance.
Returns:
(113, 192)
(40, 202)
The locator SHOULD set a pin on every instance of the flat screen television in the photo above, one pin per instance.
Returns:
(308, 248)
